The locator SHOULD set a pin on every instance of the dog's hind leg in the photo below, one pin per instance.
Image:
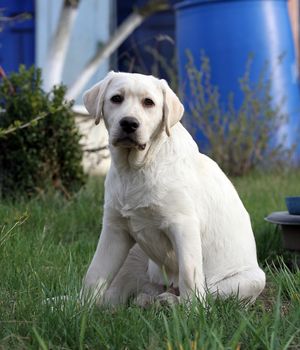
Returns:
(247, 285)
(132, 279)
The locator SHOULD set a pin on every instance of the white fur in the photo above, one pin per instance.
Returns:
(171, 216)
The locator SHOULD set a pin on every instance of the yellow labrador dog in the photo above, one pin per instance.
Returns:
(173, 222)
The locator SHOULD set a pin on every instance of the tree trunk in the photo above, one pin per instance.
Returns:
(59, 44)
(120, 35)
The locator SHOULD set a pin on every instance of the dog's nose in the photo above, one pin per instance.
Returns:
(129, 124)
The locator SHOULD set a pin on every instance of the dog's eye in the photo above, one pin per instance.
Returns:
(148, 102)
(117, 99)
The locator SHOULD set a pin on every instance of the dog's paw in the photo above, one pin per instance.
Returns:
(167, 299)
(143, 300)
(113, 297)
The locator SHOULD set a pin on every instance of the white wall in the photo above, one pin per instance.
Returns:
(90, 29)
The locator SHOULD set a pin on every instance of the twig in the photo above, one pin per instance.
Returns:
(90, 150)
(22, 126)
(2, 73)
(8, 234)
(12, 129)
(19, 17)
(3, 76)
(57, 183)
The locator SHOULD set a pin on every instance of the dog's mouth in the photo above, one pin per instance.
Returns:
(128, 142)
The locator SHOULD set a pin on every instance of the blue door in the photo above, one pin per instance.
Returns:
(17, 37)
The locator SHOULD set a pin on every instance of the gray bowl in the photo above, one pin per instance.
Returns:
(290, 227)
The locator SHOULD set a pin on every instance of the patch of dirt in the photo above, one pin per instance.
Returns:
(268, 299)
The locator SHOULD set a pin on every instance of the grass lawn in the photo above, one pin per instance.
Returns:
(46, 244)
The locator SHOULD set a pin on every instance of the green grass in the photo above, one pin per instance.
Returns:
(46, 244)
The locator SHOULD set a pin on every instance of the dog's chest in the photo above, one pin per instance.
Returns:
(135, 190)
(139, 199)
(145, 228)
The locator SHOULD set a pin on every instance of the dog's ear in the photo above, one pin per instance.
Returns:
(172, 107)
(93, 98)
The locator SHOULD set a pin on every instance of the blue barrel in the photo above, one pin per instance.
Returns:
(17, 38)
(228, 31)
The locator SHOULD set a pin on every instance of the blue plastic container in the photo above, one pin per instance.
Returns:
(293, 205)
(228, 32)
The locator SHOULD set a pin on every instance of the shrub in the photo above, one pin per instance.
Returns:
(238, 139)
(39, 141)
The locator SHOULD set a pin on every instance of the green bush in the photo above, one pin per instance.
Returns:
(39, 141)
(239, 139)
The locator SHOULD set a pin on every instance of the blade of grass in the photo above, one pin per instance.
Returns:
(39, 339)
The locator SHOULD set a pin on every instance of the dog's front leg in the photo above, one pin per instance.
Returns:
(113, 247)
(186, 240)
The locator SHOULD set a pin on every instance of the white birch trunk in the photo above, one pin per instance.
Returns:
(119, 36)
(59, 47)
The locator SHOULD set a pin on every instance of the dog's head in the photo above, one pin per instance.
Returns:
(135, 108)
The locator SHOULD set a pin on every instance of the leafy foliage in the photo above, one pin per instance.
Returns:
(239, 139)
(39, 141)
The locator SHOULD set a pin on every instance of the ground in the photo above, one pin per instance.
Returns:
(46, 244)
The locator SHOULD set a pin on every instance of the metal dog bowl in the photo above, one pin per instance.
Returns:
(290, 226)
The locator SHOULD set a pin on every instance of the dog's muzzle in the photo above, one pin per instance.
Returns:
(127, 137)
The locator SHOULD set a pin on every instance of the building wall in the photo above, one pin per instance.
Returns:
(90, 30)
